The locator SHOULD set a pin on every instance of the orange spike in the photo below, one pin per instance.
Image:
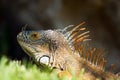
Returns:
(79, 29)
(94, 55)
(97, 52)
(78, 49)
(76, 32)
(81, 39)
(99, 55)
(94, 58)
(87, 55)
(75, 28)
(76, 46)
(82, 29)
(86, 40)
(81, 51)
(91, 53)
(99, 61)
(80, 24)
(102, 63)
(73, 35)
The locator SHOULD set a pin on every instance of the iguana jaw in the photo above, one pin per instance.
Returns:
(30, 47)
(37, 56)
(26, 47)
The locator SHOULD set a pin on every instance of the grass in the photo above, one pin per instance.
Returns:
(15, 70)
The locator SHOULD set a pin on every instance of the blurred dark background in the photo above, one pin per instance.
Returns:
(102, 18)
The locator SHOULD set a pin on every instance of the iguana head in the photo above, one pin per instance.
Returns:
(41, 45)
(50, 47)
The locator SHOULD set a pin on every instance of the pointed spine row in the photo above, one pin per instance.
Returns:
(76, 36)
(93, 56)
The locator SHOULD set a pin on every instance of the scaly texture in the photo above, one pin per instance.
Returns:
(65, 50)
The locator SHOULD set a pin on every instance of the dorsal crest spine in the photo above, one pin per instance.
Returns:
(77, 37)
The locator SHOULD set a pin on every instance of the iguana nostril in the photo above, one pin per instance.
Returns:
(19, 34)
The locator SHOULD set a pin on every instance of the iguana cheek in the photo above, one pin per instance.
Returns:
(40, 48)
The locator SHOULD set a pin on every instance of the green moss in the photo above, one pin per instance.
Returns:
(14, 70)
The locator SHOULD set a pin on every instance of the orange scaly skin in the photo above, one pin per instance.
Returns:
(65, 50)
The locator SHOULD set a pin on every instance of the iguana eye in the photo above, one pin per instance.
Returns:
(44, 59)
(35, 36)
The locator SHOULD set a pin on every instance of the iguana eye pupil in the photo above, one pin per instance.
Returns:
(34, 36)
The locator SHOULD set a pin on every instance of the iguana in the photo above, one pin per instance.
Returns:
(64, 49)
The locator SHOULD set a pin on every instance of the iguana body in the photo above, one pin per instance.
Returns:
(64, 50)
